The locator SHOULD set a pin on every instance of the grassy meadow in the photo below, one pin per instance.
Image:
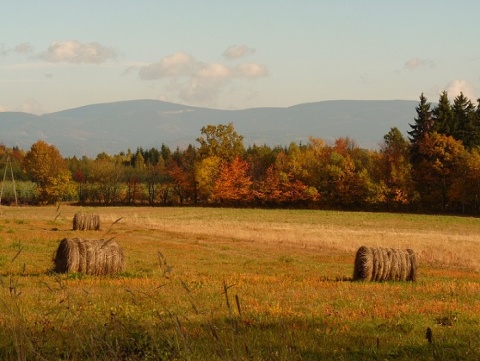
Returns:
(238, 284)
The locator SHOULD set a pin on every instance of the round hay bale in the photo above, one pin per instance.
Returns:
(395, 265)
(363, 264)
(86, 222)
(93, 257)
(377, 264)
(403, 265)
(412, 276)
(385, 264)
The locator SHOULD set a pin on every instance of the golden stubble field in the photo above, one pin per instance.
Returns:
(206, 283)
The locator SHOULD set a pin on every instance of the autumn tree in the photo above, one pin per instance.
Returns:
(260, 158)
(206, 173)
(155, 178)
(233, 186)
(220, 141)
(282, 189)
(180, 167)
(107, 176)
(135, 177)
(47, 168)
(438, 169)
(466, 190)
(395, 169)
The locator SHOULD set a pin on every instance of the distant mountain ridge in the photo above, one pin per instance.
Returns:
(119, 126)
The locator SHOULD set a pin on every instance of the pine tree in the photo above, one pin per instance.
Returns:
(465, 117)
(443, 116)
(422, 126)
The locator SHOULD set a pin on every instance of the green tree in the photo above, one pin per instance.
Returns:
(465, 117)
(48, 169)
(443, 116)
(107, 177)
(220, 141)
(423, 125)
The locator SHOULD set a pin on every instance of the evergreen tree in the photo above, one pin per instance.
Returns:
(422, 126)
(465, 117)
(443, 116)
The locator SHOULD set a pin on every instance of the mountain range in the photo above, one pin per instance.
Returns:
(119, 126)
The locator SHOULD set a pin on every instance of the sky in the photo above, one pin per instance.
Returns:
(58, 54)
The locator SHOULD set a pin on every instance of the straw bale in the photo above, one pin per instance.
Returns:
(86, 222)
(385, 264)
(93, 257)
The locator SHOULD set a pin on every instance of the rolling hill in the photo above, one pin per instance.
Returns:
(118, 126)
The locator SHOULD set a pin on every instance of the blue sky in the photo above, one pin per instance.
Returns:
(57, 55)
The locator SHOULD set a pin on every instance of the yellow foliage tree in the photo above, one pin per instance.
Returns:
(44, 164)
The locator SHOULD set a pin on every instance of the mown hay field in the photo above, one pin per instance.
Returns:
(238, 284)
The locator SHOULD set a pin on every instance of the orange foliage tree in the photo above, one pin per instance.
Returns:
(233, 184)
(48, 169)
(280, 188)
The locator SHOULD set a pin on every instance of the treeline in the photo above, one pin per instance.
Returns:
(437, 168)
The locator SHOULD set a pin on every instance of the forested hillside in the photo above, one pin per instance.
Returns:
(435, 169)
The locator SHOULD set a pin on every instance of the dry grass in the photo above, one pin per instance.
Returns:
(286, 269)
(451, 241)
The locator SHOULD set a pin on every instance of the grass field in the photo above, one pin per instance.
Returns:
(238, 284)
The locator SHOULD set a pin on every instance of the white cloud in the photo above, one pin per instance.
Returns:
(31, 106)
(178, 64)
(252, 70)
(416, 63)
(23, 48)
(194, 81)
(73, 51)
(214, 71)
(461, 86)
(235, 52)
(3, 109)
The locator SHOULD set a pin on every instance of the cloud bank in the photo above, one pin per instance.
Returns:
(75, 52)
(456, 87)
(195, 81)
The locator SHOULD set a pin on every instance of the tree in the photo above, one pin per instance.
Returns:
(233, 184)
(423, 125)
(48, 169)
(438, 170)
(107, 176)
(155, 177)
(465, 117)
(395, 169)
(220, 141)
(180, 167)
(443, 116)
(206, 173)
(282, 189)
